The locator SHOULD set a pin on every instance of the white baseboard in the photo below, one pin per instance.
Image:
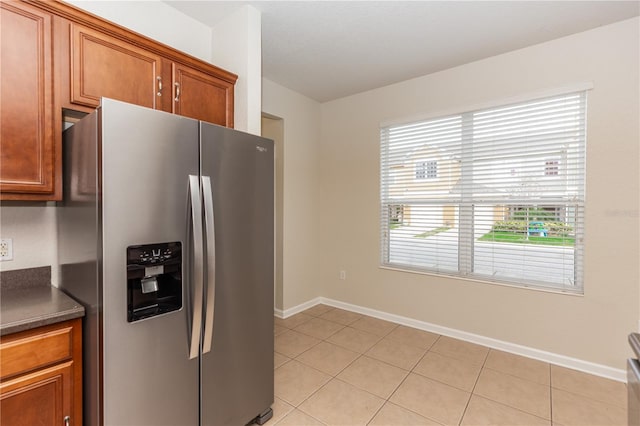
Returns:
(552, 358)
(301, 307)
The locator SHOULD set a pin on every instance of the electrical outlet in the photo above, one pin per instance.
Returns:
(6, 249)
(343, 275)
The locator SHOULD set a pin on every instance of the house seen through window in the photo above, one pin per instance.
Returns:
(494, 194)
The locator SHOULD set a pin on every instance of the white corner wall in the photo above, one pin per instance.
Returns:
(301, 198)
(237, 46)
(592, 327)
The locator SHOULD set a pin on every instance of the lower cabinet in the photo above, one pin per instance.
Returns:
(41, 376)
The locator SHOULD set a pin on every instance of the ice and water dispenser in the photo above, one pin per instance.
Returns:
(154, 280)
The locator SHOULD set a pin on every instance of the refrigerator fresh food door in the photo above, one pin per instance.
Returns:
(237, 359)
(148, 156)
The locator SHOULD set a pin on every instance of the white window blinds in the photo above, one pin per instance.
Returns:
(494, 194)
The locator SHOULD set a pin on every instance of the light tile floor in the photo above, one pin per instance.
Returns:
(335, 367)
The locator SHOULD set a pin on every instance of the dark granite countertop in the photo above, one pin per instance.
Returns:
(27, 300)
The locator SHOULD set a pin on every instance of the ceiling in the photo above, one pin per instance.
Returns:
(331, 49)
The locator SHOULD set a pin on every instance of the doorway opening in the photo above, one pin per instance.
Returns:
(273, 128)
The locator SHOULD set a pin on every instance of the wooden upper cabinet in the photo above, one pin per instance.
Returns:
(106, 66)
(201, 96)
(28, 142)
(56, 58)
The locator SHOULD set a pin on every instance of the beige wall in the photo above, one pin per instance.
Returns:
(32, 227)
(592, 327)
(301, 196)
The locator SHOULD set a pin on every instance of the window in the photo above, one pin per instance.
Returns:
(551, 168)
(396, 215)
(427, 170)
(508, 202)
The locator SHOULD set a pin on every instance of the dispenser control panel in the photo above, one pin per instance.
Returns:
(154, 280)
(151, 254)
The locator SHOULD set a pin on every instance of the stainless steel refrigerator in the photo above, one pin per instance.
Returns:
(166, 237)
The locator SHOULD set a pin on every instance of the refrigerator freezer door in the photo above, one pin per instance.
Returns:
(237, 374)
(79, 251)
(146, 162)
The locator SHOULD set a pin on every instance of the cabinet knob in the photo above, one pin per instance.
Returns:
(67, 421)
(159, 85)
(177, 99)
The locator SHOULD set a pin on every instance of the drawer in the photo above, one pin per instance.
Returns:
(33, 349)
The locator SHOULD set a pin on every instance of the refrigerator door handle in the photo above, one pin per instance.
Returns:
(198, 265)
(211, 262)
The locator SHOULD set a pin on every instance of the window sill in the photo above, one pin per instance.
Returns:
(532, 287)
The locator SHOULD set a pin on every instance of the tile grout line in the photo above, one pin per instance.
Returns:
(402, 382)
(328, 381)
(364, 354)
(483, 368)
(360, 355)
(380, 338)
(409, 372)
(550, 398)
(466, 407)
(296, 407)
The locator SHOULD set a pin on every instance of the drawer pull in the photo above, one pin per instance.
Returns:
(67, 421)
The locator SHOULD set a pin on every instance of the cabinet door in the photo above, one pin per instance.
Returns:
(106, 66)
(202, 96)
(40, 398)
(27, 141)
